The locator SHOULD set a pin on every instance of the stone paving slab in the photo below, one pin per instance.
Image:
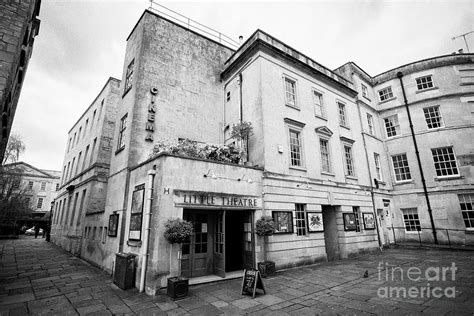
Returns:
(38, 278)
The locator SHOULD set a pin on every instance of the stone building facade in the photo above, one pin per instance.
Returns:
(86, 168)
(319, 161)
(18, 27)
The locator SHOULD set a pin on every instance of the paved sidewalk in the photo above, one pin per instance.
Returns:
(38, 278)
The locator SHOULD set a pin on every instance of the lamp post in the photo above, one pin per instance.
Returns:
(464, 37)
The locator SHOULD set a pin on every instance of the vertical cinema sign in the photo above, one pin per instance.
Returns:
(150, 122)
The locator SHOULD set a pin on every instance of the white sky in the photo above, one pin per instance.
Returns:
(82, 42)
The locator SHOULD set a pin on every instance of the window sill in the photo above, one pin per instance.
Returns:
(345, 126)
(328, 173)
(298, 168)
(134, 243)
(427, 89)
(402, 182)
(292, 106)
(469, 231)
(448, 178)
(387, 100)
(380, 182)
(365, 97)
(411, 232)
(351, 177)
(320, 117)
(120, 149)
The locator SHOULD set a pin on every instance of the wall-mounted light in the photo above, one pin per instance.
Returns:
(245, 178)
(210, 174)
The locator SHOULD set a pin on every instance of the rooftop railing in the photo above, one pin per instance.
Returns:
(192, 25)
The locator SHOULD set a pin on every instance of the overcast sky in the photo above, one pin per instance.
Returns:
(82, 42)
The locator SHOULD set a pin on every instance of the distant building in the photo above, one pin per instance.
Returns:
(18, 27)
(41, 186)
(320, 139)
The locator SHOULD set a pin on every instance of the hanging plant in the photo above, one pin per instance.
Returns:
(265, 226)
(177, 231)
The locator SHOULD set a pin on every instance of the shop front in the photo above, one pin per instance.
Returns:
(223, 238)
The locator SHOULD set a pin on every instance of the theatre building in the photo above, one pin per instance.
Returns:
(310, 163)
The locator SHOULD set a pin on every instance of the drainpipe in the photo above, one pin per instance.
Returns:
(425, 190)
(146, 237)
(240, 98)
(370, 175)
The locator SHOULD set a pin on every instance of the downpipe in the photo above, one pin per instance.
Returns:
(148, 213)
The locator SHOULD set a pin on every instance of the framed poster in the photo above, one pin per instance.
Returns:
(349, 221)
(136, 213)
(283, 222)
(315, 222)
(113, 224)
(369, 220)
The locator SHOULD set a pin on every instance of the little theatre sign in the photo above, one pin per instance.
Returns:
(217, 200)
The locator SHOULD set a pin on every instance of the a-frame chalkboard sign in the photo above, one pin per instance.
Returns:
(251, 281)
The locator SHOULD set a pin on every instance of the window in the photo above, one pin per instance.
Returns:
(356, 211)
(445, 162)
(378, 167)
(283, 222)
(424, 82)
(385, 94)
(93, 150)
(228, 96)
(401, 168)
(300, 211)
(295, 148)
(43, 186)
(392, 126)
(123, 127)
(73, 214)
(40, 203)
(78, 166)
(66, 177)
(411, 219)
(74, 140)
(318, 103)
(100, 110)
(93, 119)
(30, 185)
(71, 174)
(85, 127)
(79, 134)
(433, 117)
(57, 186)
(365, 92)
(466, 202)
(69, 144)
(129, 77)
(349, 161)
(370, 124)
(81, 206)
(325, 155)
(342, 114)
(85, 158)
(290, 92)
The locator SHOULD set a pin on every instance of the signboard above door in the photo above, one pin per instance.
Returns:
(220, 200)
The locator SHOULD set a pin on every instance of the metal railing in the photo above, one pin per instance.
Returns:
(192, 25)
(447, 237)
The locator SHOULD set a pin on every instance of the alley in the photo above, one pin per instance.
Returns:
(38, 278)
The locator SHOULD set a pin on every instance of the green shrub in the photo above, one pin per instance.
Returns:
(178, 231)
(265, 226)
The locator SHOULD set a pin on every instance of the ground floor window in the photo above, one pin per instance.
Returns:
(356, 211)
(411, 219)
(300, 212)
(466, 202)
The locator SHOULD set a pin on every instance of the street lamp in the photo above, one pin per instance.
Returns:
(464, 36)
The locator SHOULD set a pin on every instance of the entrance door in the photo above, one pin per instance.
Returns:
(383, 219)
(331, 238)
(248, 240)
(219, 245)
(197, 254)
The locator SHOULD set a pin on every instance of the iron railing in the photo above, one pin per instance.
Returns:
(447, 237)
(193, 25)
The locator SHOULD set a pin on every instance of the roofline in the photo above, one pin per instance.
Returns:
(357, 66)
(419, 61)
(32, 167)
(95, 99)
(179, 25)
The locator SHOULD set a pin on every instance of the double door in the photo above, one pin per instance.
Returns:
(222, 241)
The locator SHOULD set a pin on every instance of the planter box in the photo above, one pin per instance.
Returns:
(177, 287)
(266, 268)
